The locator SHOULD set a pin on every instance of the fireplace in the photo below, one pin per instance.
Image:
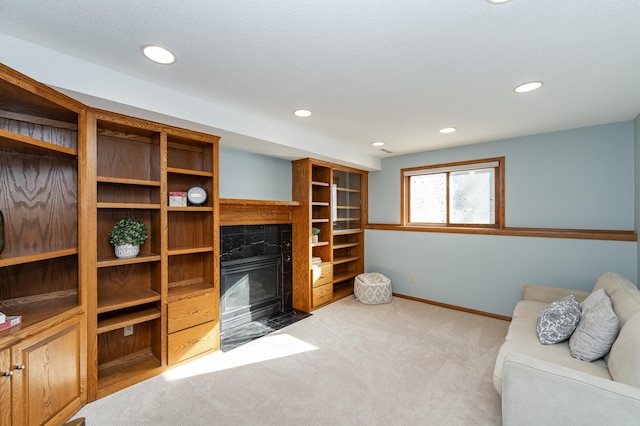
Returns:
(255, 273)
(250, 288)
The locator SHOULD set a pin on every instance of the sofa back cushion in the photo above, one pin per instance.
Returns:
(624, 357)
(625, 297)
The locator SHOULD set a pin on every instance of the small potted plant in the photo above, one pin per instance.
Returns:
(127, 236)
(314, 234)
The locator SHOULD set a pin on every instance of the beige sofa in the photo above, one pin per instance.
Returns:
(545, 385)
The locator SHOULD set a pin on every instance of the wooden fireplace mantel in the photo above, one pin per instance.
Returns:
(235, 211)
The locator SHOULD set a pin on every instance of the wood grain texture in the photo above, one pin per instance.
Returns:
(193, 341)
(255, 212)
(5, 387)
(23, 95)
(49, 388)
(341, 238)
(585, 234)
(189, 312)
(63, 137)
(38, 201)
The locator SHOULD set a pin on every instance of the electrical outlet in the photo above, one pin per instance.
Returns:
(128, 330)
(412, 278)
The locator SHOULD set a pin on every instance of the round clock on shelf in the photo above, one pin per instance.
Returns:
(197, 196)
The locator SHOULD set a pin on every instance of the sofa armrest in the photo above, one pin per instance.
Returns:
(541, 293)
(536, 392)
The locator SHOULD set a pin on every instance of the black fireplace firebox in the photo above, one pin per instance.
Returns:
(250, 288)
(255, 273)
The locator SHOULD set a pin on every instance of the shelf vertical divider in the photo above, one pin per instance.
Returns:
(88, 252)
(164, 248)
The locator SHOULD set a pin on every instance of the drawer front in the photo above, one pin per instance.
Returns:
(321, 275)
(189, 312)
(193, 341)
(322, 295)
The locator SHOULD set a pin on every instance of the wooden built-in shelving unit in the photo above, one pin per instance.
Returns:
(333, 199)
(42, 154)
(133, 166)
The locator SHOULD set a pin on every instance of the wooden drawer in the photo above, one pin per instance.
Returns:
(193, 341)
(321, 274)
(322, 294)
(189, 312)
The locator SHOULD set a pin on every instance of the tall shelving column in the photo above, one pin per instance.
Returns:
(193, 247)
(42, 276)
(333, 199)
(348, 202)
(126, 326)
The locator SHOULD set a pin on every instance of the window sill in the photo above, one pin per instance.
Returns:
(584, 234)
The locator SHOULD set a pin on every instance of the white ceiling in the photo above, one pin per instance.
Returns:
(370, 70)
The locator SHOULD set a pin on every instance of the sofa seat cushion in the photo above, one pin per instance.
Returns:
(522, 339)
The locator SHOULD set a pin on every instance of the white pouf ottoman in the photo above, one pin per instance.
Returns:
(372, 288)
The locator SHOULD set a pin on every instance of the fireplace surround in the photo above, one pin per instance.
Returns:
(255, 272)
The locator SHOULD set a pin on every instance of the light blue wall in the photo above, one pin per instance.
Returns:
(486, 272)
(253, 177)
(582, 178)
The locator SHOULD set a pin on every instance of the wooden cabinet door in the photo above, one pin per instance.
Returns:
(47, 379)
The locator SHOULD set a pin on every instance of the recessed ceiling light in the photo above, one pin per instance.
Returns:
(448, 130)
(497, 1)
(377, 143)
(302, 113)
(158, 54)
(528, 87)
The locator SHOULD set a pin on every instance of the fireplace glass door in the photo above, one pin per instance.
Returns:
(251, 288)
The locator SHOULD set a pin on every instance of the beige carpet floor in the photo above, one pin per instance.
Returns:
(403, 363)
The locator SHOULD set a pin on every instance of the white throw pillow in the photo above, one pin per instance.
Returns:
(597, 329)
(557, 321)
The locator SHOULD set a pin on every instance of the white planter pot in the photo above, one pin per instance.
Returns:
(127, 251)
(314, 238)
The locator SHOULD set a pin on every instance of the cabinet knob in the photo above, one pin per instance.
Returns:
(20, 367)
(7, 374)
(193, 312)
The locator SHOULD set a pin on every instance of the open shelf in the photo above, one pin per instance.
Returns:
(340, 246)
(130, 318)
(198, 209)
(189, 172)
(339, 260)
(122, 301)
(16, 142)
(347, 231)
(36, 311)
(106, 262)
(132, 367)
(343, 276)
(18, 255)
(190, 250)
(126, 181)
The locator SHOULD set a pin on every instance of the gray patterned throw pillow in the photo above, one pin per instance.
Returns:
(557, 321)
(597, 330)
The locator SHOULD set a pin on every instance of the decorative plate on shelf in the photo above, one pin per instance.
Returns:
(197, 195)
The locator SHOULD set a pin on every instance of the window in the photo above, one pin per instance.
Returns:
(468, 193)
